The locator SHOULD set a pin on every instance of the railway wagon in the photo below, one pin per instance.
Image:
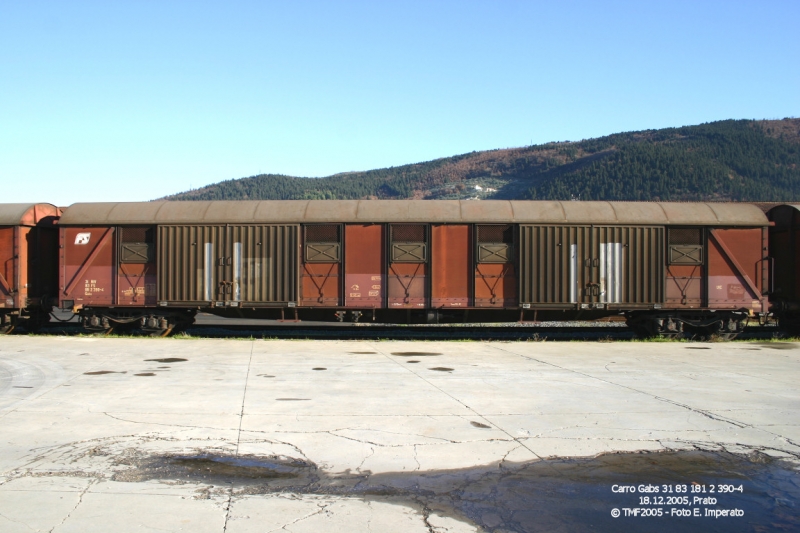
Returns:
(29, 269)
(784, 251)
(668, 267)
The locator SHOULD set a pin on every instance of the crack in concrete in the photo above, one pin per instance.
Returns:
(701, 412)
(18, 522)
(322, 507)
(239, 434)
(80, 500)
(409, 369)
(371, 453)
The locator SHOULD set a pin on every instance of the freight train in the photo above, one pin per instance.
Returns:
(670, 268)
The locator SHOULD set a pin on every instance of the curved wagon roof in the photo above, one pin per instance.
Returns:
(785, 215)
(434, 211)
(27, 214)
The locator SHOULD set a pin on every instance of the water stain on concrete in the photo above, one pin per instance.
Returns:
(419, 354)
(102, 372)
(293, 399)
(442, 369)
(479, 425)
(412, 361)
(319, 368)
(573, 495)
(21, 387)
(266, 376)
(698, 348)
(216, 469)
(362, 353)
(145, 374)
(168, 360)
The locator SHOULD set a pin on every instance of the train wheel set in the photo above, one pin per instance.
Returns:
(700, 270)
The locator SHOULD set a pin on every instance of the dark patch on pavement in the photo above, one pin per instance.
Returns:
(423, 354)
(293, 399)
(145, 374)
(778, 345)
(479, 425)
(319, 368)
(168, 360)
(573, 495)
(442, 369)
(101, 372)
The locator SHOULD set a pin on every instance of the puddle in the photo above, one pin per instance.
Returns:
(168, 360)
(417, 353)
(293, 399)
(687, 489)
(319, 368)
(442, 369)
(101, 372)
(479, 425)
(412, 361)
(362, 353)
(145, 374)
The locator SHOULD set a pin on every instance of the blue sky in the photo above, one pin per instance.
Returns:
(133, 100)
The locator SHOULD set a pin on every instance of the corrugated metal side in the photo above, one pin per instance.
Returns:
(583, 264)
(248, 264)
(545, 275)
(269, 263)
(183, 275)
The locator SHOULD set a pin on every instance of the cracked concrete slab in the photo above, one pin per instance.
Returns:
(76, 417)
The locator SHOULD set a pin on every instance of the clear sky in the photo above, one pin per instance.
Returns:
(117, 100)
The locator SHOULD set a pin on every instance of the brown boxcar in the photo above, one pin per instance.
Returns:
(666, 266)
(29, 255)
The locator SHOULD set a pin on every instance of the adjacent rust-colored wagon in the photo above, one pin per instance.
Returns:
(666, 266)
(784, 251)
(28, 273)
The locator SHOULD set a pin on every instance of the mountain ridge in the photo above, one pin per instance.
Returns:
(731, 160)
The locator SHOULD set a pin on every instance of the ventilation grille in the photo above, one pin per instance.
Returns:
(322, 233)
(496, 234)
(409, 233)
(137, 234)
(687, 236)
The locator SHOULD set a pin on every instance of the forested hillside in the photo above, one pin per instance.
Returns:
(740, 160)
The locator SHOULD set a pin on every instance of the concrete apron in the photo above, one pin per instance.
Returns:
(97, 433)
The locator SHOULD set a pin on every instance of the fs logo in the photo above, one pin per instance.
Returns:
(82, 238)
